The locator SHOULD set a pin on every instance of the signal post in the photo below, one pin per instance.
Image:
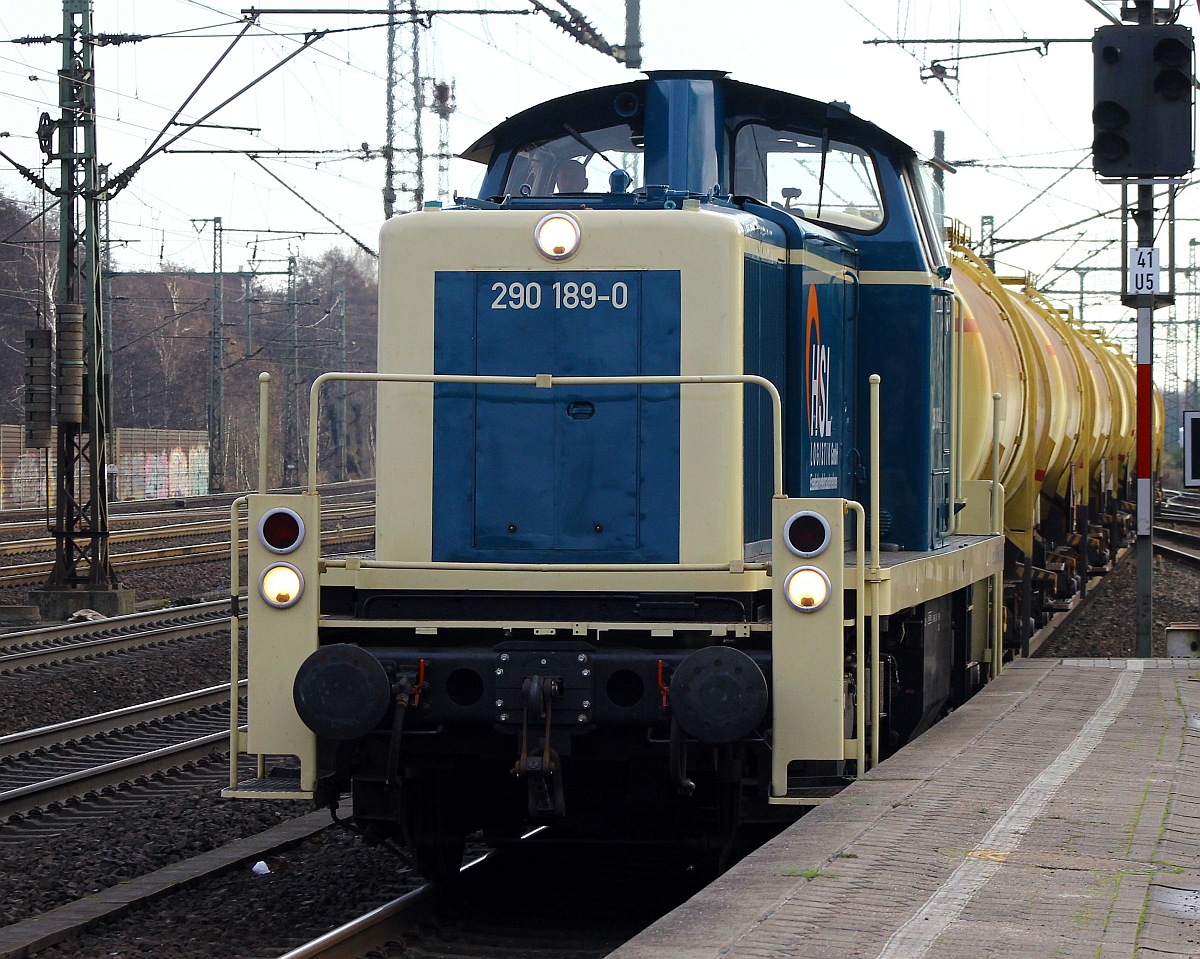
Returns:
(1142, 124)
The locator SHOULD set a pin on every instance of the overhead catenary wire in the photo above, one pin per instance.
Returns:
(1010, 36)
(328, 219)
(188, 99)
(210, 28)
(122, 179)
(1041, 193)
(546, 56)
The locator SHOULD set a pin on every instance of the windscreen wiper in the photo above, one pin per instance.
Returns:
(595, 150)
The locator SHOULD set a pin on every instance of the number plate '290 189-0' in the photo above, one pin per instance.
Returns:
(605, 293)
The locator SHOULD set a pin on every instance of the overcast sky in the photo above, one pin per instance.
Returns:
(1017, 121)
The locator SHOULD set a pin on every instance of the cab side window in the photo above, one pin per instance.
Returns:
(827, 181)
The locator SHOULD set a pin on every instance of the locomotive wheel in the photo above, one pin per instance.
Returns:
(439, 859)
(435, 845)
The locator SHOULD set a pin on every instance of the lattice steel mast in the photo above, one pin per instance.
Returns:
(81, 510)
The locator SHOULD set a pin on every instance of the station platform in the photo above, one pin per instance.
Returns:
(1057, 814)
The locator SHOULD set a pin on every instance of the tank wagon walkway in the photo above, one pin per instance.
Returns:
(1056, 814)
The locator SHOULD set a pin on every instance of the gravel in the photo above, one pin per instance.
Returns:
(1107, 626)
(56, 693)
(190, 583)
(58, 859)
(320, 884)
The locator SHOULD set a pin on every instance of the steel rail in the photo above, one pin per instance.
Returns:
(63, 652)
(195, 612)
(127, 511)
(1181, 536)
(32, 573)
(175, 530)
(1188, 557)
(42, 736)
(1179, 545)
(69, 785)
(367, 932)
(107, 734)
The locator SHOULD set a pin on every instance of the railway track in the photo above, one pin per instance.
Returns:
(131, 511)
(1179, 545)
(30, 574)
(1179, 506)
(54, 644)
(600, 897)
(370, 933)
(59, 763)
(209, 526)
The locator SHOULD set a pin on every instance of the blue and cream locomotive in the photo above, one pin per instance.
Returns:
(630, 401)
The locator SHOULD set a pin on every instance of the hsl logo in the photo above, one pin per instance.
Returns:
(816, 372)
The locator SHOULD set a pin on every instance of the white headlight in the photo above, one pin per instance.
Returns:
(807, 588)
(281, 585)
(556, 236)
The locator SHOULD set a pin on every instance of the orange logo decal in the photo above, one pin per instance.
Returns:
(816, 371)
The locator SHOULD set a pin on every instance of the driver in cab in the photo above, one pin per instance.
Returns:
(571, 177)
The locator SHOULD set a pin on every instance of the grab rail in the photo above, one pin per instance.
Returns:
(544, 381)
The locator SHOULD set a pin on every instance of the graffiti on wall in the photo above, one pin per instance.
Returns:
(163, 474)
(26, 481)
(143, 464)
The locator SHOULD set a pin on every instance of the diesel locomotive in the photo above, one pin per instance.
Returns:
(712, 467)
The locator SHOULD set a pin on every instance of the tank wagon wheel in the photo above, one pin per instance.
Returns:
(434, 844)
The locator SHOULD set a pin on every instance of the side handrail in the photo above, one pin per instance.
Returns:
(860, 638)
(960, 320)
(876, 637)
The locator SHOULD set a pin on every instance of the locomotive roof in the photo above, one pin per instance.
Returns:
(741, 102)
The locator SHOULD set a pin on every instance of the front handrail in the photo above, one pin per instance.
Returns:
(737, 566)
(544, 381)
(235, 618)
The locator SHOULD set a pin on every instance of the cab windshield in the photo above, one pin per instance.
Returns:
(577, 162)
(826, 181)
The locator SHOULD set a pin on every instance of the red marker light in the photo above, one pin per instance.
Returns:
(281, 530)
(806, 533)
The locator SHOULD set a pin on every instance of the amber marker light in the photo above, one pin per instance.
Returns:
(556, 236)
(281, 585)
(807, 588)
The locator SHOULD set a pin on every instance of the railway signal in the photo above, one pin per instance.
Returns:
(1142, 135)
(1142, 119)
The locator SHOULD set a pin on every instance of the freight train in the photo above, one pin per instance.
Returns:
(709, 473)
